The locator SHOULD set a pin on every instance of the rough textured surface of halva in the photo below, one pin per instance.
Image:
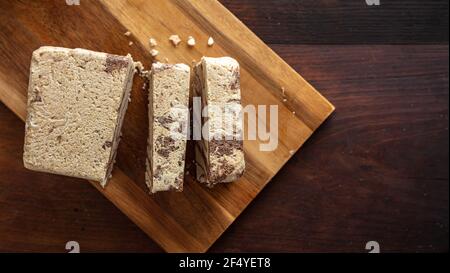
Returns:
(219, 155)
(76, 103)
(168, 121)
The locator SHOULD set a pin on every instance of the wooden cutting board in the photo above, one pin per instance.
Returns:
(179, 222)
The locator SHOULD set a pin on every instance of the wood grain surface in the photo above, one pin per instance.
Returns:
(376, 171)
(344, 21)
(190, 221)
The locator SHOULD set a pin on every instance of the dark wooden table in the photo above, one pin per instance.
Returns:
(376, 170)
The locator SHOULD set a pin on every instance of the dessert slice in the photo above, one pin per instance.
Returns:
(76, 103)
(168, 121)
(219, 155)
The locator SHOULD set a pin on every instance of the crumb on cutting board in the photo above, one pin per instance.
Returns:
(139, 66)
(191, 41)
(140, 69)
(175, 39)
(152, 42)
(154, 52)
(210, 41)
